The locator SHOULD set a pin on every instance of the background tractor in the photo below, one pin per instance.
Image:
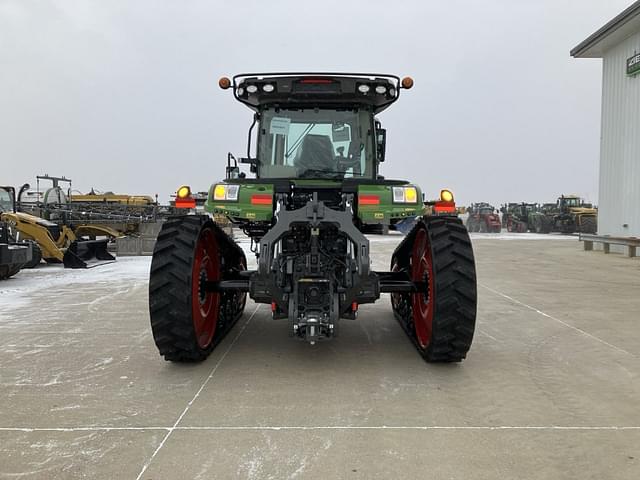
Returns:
(572, 215)
(538, 220)
(14, 255)
(319, 146)
(515, 216)
(483, 218)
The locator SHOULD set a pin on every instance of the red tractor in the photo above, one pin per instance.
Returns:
(483, 218)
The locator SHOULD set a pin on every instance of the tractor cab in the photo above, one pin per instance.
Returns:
(315, 125)
(8, 206)
(7, 199)
(568, 202)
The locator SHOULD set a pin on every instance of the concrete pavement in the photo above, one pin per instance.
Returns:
(550, 388)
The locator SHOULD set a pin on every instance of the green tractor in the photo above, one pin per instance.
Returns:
(317, 186)
(538, 220)
(515, 216)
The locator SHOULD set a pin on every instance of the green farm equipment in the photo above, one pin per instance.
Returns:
(539, 220)
(316, 188)
(515, 216)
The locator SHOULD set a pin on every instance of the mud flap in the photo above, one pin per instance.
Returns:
(405, 225)
(87, 254)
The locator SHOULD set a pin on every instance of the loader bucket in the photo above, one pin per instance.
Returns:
(87, 254)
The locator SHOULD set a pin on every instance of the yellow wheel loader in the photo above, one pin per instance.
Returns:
(61, 243)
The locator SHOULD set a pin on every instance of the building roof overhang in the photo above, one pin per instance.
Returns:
(616, 31)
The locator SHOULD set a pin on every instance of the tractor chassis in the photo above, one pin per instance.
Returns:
(362, 285)
(199, 282)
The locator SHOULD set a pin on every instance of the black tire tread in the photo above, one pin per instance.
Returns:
(588, 225)
(170, 289)
(36, 255)
(455, 289)
(7, 271)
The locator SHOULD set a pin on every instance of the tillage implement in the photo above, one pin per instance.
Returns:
(318, 149)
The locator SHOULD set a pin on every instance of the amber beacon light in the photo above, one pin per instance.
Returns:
(407, 82)
(224, 83)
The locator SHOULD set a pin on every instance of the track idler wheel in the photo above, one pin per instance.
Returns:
(440, 316)
(188, 319)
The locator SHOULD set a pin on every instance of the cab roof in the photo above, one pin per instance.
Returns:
(313, 89)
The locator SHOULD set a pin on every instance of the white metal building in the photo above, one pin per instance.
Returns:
(618, 44)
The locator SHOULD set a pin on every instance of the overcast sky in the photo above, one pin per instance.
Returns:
(123, 96)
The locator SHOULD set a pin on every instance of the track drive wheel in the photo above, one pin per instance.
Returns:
(440, 318)
(187, 320)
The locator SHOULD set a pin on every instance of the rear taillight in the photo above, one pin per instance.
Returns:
(186, 202)
(316, 81)
(444, 207)
(261, 199)
(369, 200)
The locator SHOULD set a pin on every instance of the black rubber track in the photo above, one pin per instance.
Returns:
(455, 290)
(36, 255)
(7, 271)
(170, 291)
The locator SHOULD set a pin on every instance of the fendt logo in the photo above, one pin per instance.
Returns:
(633, 65)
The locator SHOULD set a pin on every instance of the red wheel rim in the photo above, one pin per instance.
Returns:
(422, 302)
(395, 297)
(205, 305)
(242, 296)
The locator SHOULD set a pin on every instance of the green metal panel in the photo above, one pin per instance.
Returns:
(387, 210)
(243, 208)
(384, 212)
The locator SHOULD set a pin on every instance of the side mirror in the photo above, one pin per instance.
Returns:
(381, 143)
(253, 164)
(233, 172)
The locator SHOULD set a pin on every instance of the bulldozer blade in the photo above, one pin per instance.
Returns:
(87, 254)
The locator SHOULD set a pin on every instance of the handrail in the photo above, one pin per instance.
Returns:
(630, 242)
(633, 241)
